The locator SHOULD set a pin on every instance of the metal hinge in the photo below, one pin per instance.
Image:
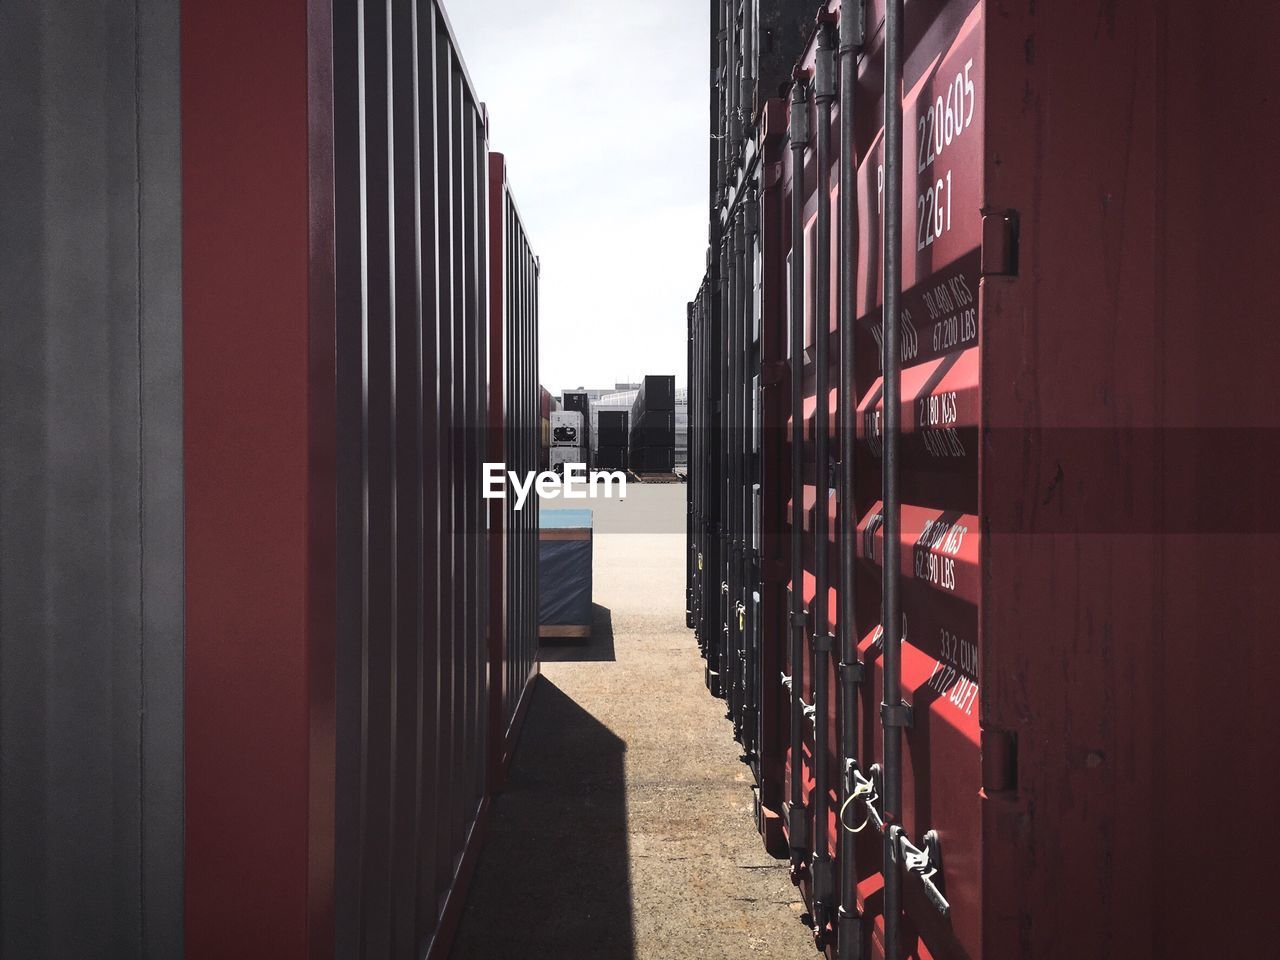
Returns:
(1000, 244)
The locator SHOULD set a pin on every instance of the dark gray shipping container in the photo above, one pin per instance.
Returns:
(654, 428)
(657, 392)
(515, 440)
(411, 188)
(611, 457)
(91, 500)
(245, 630)
(612, 427)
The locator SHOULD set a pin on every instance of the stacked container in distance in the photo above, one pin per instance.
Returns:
(611, 454)
(653, 425)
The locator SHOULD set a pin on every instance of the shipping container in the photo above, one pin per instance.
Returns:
(580, 401)
(611, 458)
(563, 455)
(515, 440)
(250, 669)
(651, 459)
(612, 428)
(567, 429)
(611, 409)
(654, 428)
(371, 356)
(91, 482)
(1064, 485)
(682, 426)
(545, 406)
(657, 392)
(651, 424)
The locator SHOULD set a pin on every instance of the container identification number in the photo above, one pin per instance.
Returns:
(943, 122)
(937, 128)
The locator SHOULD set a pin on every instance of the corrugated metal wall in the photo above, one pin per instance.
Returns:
(411, 183)
(515, 418)
(244, 669)
(91, 551)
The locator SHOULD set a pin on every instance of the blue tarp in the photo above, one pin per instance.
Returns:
(564, 572)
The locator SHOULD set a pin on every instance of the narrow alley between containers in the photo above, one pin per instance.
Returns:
(625, 827)
(492, 480)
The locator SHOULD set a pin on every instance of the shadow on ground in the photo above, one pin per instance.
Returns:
(553, 878)
(596, 648)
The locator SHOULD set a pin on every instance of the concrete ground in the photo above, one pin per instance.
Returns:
(626, 828)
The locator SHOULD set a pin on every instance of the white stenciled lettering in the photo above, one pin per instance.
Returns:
(941, 122)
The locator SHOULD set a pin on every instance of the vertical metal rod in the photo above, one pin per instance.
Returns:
(690, 548)
(893, 716)
(726, 434)
(731, 58)
(749, 567)
(739, 478)
(799, 141)
(824, 95)
(732, 359)
(849, 923)
(722, 127)
(704, 484)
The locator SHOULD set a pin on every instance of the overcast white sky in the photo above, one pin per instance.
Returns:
(600, 107)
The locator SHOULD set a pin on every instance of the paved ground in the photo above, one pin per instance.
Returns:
(626, 830)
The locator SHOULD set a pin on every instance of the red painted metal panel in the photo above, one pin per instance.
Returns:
(1080, 463)
(941, 775)
(259, 447)
(1134, 515)
(337, 387)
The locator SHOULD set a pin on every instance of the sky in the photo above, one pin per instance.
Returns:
(600, 107)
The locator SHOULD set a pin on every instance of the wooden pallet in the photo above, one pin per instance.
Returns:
(574, 631)
(655, 477)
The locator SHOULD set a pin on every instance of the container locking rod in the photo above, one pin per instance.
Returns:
(924, 862)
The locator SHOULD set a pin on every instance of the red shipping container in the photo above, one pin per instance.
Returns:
(1080, 478)
(348, 706)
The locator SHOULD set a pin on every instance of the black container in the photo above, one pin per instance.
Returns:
(657, 392)
(612, 428)
(613, 457)
(653, 459)
(655, 428)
